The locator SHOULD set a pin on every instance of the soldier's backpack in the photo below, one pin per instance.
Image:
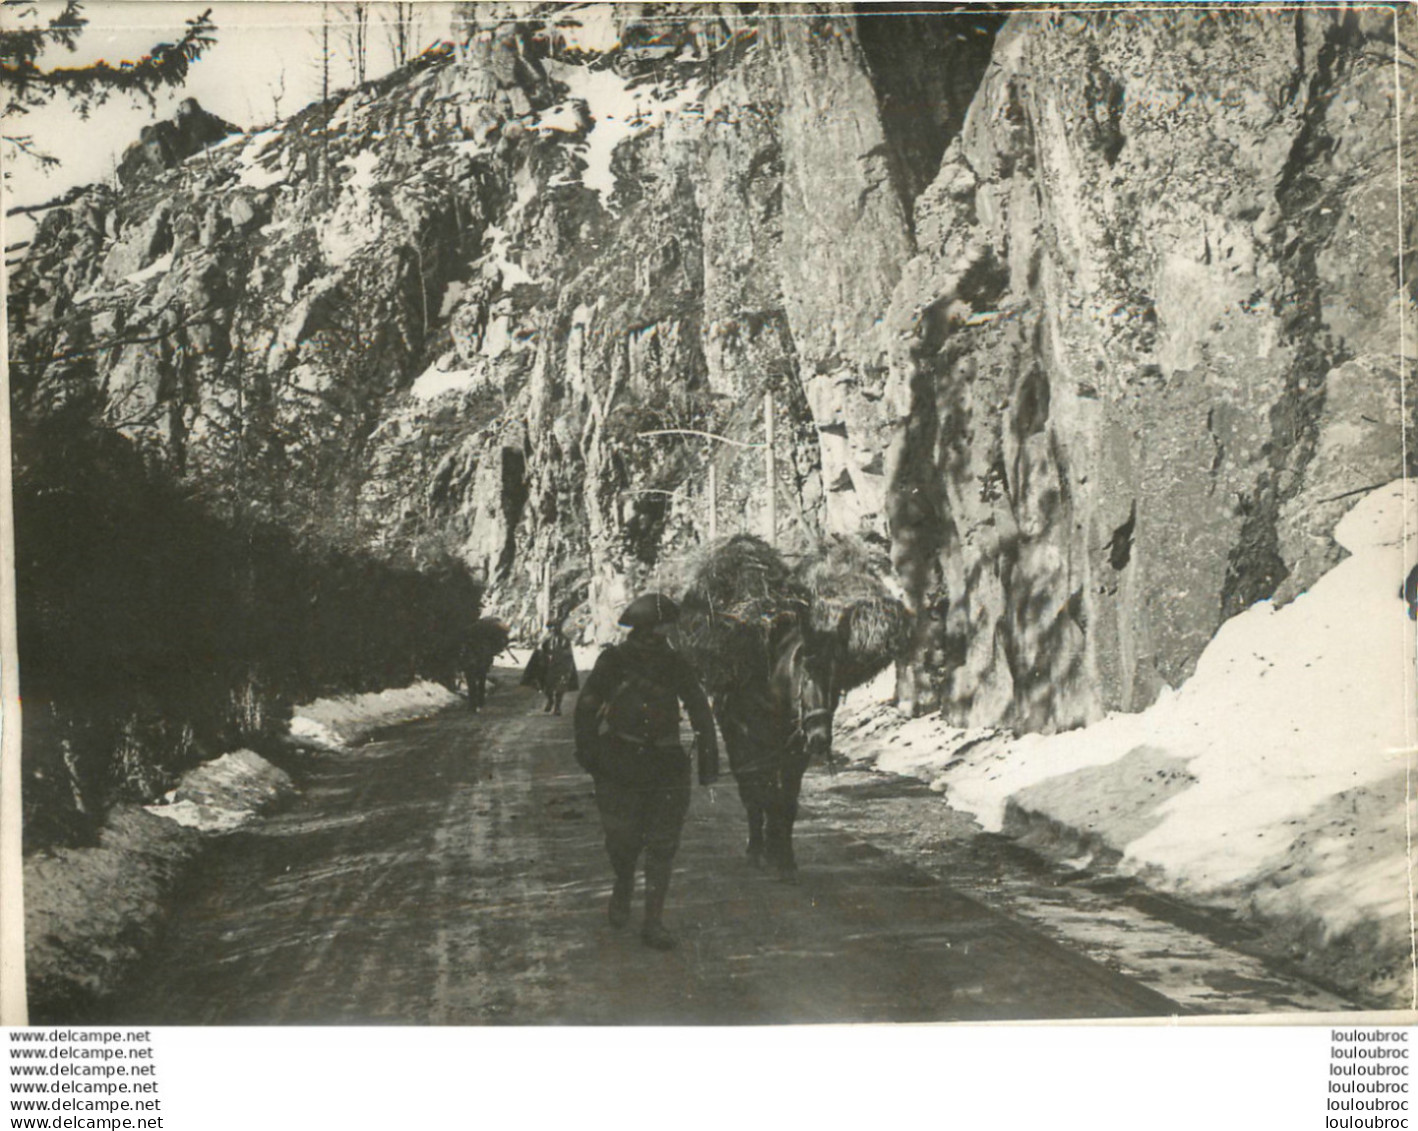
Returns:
(642, 710)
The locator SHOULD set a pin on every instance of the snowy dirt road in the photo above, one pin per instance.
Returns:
(451, 872)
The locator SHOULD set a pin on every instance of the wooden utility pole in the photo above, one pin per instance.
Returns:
(770, 521)
(713, 476)
(713, 502)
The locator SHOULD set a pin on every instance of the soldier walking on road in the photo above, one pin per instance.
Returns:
(559, 668)
(627, 737)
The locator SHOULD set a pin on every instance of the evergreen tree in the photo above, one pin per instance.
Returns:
(25, 36)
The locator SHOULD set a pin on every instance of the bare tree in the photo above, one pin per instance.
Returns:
(277, 89)
(354, 34)
(323, 55)
(324, 52)
(402, 26)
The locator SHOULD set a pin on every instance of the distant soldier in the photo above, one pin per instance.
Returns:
(557, 668)
(627, 737)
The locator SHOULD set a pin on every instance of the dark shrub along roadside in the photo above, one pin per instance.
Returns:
(154, 634)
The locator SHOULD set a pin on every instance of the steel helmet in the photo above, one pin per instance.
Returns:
(649, 610)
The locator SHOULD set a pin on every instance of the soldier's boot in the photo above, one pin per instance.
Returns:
(657, 887)
(619, 909)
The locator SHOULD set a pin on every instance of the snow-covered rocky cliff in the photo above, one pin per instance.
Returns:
(1088, 320)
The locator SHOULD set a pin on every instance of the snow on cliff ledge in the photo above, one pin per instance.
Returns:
(1274, 780)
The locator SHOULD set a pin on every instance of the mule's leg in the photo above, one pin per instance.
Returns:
(751, 793)
(773, 835)
(756, 817)
(784, 860)
(780, 845)
(775, 832)
(788, 809)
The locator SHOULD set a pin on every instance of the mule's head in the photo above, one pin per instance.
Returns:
(817, 692)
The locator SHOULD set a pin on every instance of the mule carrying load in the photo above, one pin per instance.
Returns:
(776, 648)
(481, 645)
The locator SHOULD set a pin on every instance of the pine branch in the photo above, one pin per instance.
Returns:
(167, 65)
(20, 45)
(25, 144)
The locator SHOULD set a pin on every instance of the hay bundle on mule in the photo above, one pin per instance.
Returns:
(876, 633)
(736, 589)
(846, 596)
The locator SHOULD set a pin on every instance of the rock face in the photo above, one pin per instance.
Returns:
(164, 145)
(1086, 319)
(1147, 347)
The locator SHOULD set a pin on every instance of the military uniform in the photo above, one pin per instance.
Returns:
(552, 669)
(642, 772)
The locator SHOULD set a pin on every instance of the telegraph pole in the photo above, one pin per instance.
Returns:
(713, 474)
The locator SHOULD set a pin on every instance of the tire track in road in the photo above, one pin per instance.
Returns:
(355, 910)
(481, 975)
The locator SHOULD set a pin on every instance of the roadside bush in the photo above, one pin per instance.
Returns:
(153, 634)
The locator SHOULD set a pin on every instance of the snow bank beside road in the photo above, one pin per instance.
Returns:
(1273, 782)
(226, 793)
(345, 720)
(91, 912)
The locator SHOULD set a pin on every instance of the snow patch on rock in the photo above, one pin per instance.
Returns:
(588, 28)
(452, 296)
(361, 166)
(358, 220)
(435, 381)
(619, 110)
(468, 149)
(255, 172)
(157, 267)
(499, 249)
